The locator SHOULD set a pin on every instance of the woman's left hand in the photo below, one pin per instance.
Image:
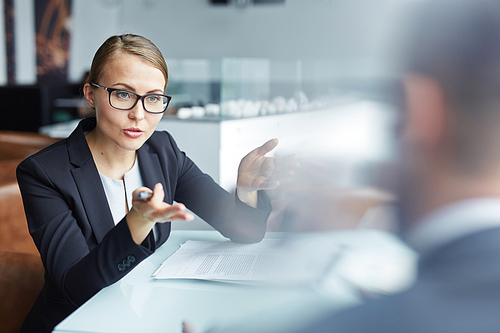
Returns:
(260, 172)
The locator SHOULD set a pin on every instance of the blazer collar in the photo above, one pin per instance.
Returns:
(88, 181)
(151, 173)
(151, 170)
(78, 149)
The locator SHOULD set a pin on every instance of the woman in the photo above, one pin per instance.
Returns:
(81, 195)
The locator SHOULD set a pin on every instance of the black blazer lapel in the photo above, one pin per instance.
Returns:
(94, 200)
(89, 183)
(151, 170)
(152, 173)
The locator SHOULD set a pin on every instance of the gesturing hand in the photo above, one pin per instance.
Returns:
(155, 209)
(146, 212)
(259, 172)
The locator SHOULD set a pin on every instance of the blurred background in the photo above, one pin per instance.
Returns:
(355, 34)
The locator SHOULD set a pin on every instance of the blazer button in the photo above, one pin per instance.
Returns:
(131, 258)
(121, 267)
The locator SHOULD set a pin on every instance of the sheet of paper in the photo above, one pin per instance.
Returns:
(283, 261)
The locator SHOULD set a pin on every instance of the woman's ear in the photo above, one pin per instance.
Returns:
(88, 92)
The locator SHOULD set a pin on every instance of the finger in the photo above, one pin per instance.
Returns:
(272, 172)
(283, 170)
(140, 190)
(187, 328)
(166, 213)
(158, 194)
(267, 168)
(270, 180)
(264, 183)
(267, 147)
(285, 166)
(279, 176)
(182, 216)
(179, 217)
(171, 209)
(290, 161)
(269, 185)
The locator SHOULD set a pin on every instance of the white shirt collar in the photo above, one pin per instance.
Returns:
(454, 221)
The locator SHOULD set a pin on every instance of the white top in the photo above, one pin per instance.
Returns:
(119, 192)
(455, 221)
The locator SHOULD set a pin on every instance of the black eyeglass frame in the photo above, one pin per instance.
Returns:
(138, 97)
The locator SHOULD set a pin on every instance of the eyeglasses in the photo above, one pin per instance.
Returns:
(126, 100)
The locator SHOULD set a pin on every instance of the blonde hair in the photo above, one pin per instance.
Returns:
(128, 43)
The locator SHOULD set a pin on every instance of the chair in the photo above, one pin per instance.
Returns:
(14, 234)
(19, 145)
(14, 147)
(21, 280)
(27, 138)
(21, 269)
(8, 170)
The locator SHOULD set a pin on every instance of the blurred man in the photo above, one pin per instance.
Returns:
(450, 177)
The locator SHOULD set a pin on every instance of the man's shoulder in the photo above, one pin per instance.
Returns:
(457, 290)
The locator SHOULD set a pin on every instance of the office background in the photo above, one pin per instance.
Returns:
(357, 35)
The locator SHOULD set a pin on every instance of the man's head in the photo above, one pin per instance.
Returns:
(451, 131)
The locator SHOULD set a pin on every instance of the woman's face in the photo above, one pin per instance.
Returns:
(127, 130)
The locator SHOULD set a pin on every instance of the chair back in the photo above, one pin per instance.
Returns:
(14, 233)
(8, 170)
(21, 280)
(19, 145)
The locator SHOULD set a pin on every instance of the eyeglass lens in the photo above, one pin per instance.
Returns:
(123, 99)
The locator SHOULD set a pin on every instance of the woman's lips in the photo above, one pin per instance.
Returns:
(133, 132)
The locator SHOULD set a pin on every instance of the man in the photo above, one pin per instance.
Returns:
(450, 177)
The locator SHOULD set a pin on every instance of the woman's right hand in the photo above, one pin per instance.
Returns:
(146, 212)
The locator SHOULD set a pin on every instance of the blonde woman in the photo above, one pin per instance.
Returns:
(81, 195)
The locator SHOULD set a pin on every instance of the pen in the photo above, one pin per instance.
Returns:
(143, 195)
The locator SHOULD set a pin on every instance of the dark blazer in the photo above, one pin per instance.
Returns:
(72, 226)
(457, 291)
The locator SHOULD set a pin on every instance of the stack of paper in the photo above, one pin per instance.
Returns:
(283, 261)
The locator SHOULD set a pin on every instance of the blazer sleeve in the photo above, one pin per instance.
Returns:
(221, 209)
(76, 264)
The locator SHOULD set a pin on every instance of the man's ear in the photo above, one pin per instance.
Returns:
(89, 95)
(426, 110)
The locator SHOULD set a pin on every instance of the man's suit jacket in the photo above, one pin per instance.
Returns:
(457, 290)
(72, 226)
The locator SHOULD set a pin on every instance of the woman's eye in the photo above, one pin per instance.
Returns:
(153, 99)
(122, 94)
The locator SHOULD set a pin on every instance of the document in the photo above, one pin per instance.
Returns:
(283, 261)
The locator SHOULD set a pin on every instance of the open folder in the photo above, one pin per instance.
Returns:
(283, 261)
